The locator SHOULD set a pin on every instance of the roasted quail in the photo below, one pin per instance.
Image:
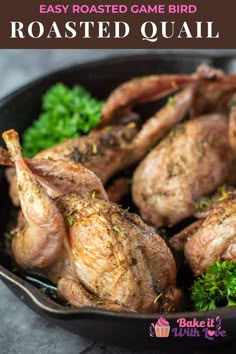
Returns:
(188, 164)
(97, 253)
(210, 238)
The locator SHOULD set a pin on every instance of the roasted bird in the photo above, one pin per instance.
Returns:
(210, 238)
(193, 160)
(189, 164)
(215, 238)
(97, 253)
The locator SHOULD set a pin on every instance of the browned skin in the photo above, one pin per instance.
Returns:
(110, 150)
(153, 87)
(226, 102)
(178, 241)
(159, 125)
(142, 89)
(102, 254)
(102, 152)
(118, 189)
(222, 193)
(5, 157)
(80, 297)
(192, 162)
(58, 178)
(232, 127)
(67, 177)
(64, 177)
(111, 258)
(215, 239)
(214, 96)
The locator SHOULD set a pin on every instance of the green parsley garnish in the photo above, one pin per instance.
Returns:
(66, 113)
(217, 287)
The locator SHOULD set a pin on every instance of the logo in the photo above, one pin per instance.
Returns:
(160, 329)
(209, 329)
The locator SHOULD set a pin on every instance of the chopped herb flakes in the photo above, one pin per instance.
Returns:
(217, 287)
(203, 204)
(172, 133)
(171, 101)
(70, 221)
(95, 149)
(224, 193)
(116, 229)
(70, 218)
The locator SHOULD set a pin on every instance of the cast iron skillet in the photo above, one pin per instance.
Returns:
(17, 111)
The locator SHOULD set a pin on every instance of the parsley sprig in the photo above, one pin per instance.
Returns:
(215, 288)
(66, 113)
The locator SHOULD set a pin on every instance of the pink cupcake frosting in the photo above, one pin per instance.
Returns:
(162, 322)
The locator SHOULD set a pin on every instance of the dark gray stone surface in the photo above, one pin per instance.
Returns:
(21, 330)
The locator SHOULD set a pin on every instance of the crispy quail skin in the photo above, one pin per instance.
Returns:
(191, 162)
(120, 260)
(107, 151)
(98, 254)
(215, 238)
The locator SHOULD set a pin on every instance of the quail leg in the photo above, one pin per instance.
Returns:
(158, 126)
(143, 89)
(40, 242)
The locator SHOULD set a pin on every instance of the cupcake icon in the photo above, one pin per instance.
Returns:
(162, 328)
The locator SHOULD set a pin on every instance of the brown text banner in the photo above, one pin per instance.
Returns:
(118, 24)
